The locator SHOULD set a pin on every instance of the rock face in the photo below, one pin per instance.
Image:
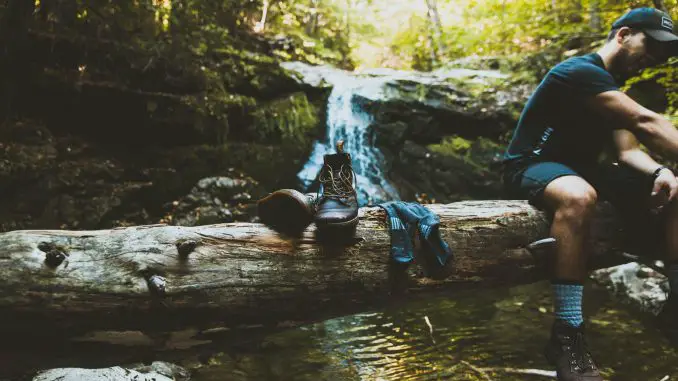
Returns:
(439, 132)
(217, 200)
(72, 182)
(58, 182)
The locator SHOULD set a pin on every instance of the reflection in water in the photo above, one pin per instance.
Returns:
(476, 336)
(480, 335)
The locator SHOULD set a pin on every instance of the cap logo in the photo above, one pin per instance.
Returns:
(667, 23)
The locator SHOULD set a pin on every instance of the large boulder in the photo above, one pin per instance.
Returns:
(636, 284)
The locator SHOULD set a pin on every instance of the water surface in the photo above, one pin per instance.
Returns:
(481, 335)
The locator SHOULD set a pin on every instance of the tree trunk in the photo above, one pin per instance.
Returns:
(431, 40)
(437, 27)
(345, 53)
(659, 4)
(14, 59)
(261, 25)
(179, 19)
(312, 25)
(594, 15)
(148, 276)
(574, 12)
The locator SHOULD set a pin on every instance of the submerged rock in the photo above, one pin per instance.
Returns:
(157, 371)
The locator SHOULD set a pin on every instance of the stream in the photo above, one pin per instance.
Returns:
(488, 334)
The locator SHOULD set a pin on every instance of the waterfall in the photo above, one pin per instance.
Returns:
(348, 122)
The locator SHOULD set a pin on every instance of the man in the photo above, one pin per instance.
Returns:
(554, 161)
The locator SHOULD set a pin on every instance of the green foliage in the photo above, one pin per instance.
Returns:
(311, 31)
(289, 120)
(219, 56)
(478, 153)
(667, 76)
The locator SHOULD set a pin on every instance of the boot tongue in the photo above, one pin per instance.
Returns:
(337, 160)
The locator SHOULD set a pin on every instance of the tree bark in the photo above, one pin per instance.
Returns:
(261, 24)
(437, 28)
(659, 4)
(594, 15)
(128, 277)
(314, 14)
(14, 58)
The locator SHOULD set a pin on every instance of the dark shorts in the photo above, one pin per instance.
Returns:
(626, 188)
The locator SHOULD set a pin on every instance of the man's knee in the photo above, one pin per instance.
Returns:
(572, 198)
(579, 204)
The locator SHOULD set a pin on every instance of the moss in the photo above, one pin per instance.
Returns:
(478, 153)
(452, 145)
(289, 120)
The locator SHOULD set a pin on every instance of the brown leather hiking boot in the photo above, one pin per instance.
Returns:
(338, 202)
(568, 352)
(287, 210)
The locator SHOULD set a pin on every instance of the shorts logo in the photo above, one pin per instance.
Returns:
(667, 23)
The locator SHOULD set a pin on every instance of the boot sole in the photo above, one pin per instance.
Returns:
(283, 209)
(339, 225)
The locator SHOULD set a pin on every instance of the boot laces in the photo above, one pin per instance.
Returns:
(579, 356)
(337, 184)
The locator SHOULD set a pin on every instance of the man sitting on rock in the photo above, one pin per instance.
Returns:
(556, 161)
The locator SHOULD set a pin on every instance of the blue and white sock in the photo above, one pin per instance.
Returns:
(567, 301)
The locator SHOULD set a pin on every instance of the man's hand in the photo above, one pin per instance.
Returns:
(664, 190)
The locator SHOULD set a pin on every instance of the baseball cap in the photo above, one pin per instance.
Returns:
(652, 21)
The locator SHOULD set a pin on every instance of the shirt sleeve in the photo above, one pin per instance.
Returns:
(585, 79)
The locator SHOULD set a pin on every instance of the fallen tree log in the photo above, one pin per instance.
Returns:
(150, 276)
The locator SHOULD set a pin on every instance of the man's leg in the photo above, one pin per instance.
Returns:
(629, 191)
(572, 201)
(672, 247)
(668, 319)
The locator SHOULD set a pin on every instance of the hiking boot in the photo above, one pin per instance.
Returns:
(568, 352)
(287, 210)
(667, 321)
(338, 202)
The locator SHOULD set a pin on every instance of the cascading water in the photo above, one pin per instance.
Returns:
(347, 122)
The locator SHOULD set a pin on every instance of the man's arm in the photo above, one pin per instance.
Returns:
(629, 152)
(652, 129)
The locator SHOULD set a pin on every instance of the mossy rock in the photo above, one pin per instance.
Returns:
(288, 120)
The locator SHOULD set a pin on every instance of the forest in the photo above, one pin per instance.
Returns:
(136, 137)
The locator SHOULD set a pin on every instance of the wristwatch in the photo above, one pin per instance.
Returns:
(657, 171)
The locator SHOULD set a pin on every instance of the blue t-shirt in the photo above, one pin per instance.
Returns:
(556, 125)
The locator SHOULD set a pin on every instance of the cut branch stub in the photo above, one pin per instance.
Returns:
(54, 254)
(156, 285)
(54, 258)
(186, 247)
